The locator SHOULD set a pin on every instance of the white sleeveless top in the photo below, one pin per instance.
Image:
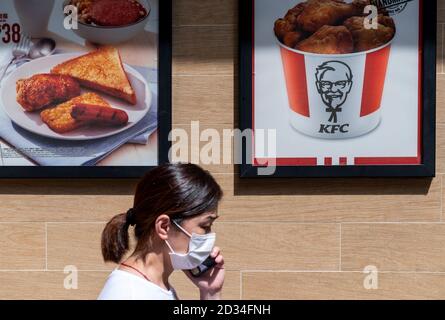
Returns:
(123, 285)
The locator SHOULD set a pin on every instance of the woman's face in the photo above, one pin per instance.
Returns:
(201, 224)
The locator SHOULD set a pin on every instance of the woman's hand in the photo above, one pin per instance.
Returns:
(210, 283)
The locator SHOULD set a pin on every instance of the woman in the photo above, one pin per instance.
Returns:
(174, 208)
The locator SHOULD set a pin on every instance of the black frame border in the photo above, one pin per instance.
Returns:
(164, 121)
(428, 166)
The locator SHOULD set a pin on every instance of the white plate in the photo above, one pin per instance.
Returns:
(31, 121)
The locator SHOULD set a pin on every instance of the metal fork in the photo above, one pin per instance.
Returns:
(19, 51)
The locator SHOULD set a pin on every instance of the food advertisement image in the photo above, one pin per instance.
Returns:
(79, 82)
(339, 81)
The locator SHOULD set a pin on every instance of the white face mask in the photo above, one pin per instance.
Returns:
(200, 247)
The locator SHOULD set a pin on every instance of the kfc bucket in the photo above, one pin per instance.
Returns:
(334, 76)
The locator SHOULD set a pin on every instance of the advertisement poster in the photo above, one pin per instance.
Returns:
(79, 83)
(339, 81)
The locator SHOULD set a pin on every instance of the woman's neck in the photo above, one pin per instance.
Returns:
(154, 267)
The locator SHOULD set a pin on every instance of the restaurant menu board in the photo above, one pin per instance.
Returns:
(341, 83)
(79, 87)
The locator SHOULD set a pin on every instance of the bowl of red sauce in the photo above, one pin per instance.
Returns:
(109, 21)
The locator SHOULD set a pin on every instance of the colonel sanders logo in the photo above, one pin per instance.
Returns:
(334, 83)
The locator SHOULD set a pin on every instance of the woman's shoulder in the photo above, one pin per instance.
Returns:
(117, 287)
(122, 285)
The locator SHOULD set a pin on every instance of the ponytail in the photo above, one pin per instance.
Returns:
(115, 240)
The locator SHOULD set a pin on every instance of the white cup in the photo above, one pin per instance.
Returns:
(34, 16)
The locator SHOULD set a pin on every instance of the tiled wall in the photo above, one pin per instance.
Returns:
(281, 239)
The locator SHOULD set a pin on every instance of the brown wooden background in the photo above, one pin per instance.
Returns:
(286, 239)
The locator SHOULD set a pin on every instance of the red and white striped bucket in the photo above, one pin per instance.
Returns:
(335, 96)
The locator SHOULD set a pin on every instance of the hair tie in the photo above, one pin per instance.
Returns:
(130, 217)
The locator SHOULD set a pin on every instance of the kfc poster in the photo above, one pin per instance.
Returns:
(79, 87)
(340, 82)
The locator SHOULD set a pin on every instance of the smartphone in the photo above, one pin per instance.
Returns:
(203, 267)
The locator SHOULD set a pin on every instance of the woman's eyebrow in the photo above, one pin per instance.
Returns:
(212, 218)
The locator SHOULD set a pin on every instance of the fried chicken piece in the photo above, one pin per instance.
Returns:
(387, 21)
(292, 14)
(318, 13)
(292, 38)
(328, 40)
(43, 90)
(367, 39)
(60, 119)
(282, 27)
(289, 23)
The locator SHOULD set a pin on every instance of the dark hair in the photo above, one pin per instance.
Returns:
(177, 190)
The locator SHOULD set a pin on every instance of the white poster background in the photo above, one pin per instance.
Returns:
(396, 136)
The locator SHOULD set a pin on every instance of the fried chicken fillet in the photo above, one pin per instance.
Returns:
(318, 13)
(60, 118)
(43, 90)
(328, 40)
(367, 38)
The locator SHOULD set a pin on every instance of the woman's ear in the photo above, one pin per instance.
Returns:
(162, 226)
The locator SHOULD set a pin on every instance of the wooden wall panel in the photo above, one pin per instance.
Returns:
(61, 201)
(393, 247)
(22, 246)
(341, 285)
(208, 99)
(277, 246)
(75, 244)
(343, 200)
(282, 238)
(204, 50)
(205, 12)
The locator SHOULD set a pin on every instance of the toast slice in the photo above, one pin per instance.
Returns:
(100, 70)
(59, 118)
